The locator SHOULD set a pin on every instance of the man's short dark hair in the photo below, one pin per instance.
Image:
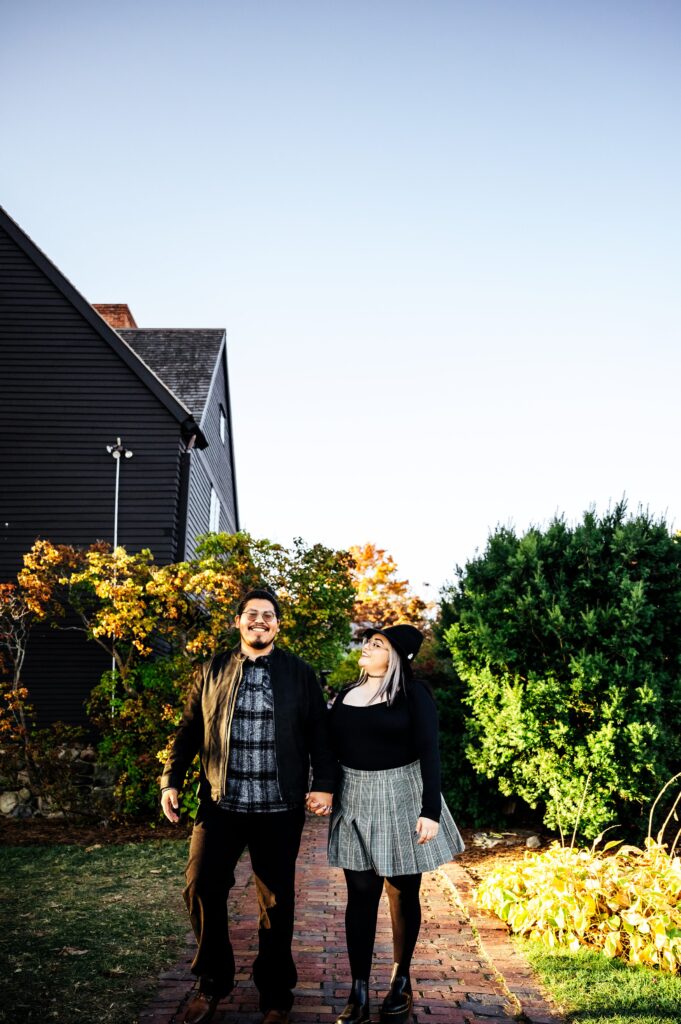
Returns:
(259, 594)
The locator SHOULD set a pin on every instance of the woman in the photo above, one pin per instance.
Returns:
(388, 823)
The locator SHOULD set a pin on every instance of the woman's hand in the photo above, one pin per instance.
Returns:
(427, 829)
(319, 803)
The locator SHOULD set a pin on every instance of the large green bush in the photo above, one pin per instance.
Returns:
(569, 644)
(471, 797)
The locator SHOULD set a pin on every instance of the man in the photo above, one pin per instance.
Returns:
(257, 718)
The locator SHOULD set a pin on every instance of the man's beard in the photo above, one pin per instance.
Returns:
(258, 644)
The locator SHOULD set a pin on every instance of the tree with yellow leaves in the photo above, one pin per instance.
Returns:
(35, 596)
(16, 618)
(134, 608)
(381, 598)
(312, 582)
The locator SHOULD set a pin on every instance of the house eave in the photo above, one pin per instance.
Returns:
(177, 409)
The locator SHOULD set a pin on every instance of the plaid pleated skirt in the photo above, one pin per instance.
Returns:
(373, 820)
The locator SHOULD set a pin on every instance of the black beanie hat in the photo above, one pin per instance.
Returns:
(405, 639)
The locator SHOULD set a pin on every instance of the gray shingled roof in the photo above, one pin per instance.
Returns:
(183, 359)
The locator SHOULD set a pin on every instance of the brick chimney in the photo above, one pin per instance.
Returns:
(116, 314)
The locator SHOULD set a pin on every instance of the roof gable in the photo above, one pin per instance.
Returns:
(156, 385)
(184, 359)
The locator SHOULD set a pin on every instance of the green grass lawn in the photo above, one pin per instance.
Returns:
(600, 991)
(84, 934)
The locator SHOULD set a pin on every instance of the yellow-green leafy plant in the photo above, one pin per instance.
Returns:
(624, 902)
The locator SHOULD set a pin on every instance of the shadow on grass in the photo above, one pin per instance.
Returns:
(596, 990)
(85, 930)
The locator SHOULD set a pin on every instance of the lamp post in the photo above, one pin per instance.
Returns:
(117, 452)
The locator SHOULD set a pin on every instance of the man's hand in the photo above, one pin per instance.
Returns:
(427, 829)
(170, 805)
(319, 803)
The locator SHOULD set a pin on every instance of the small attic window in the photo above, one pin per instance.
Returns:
(223, 424)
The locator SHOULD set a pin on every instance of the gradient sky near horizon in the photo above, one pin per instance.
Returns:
(444, 239)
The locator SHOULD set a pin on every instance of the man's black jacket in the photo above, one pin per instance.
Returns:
(300, 727)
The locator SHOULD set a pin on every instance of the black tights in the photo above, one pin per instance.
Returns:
(364, 894)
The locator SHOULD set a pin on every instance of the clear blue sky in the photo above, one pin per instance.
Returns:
(444, 239)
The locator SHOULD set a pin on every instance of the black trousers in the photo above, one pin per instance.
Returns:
(218, 840)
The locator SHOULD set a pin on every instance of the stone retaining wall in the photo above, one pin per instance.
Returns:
(91, 784)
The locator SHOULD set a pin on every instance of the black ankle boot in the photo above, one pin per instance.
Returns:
(357, 1011)
(396, 1007)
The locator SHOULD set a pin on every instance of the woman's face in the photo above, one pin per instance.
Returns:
(375, 655)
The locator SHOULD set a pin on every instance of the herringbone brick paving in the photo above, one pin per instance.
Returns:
(465, 970)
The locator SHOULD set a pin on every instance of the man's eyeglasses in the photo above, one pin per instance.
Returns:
(253, 615)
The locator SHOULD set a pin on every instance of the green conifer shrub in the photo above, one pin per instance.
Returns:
(568, 641)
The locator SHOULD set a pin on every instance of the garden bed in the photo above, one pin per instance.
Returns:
(41, 832)
(478, 860)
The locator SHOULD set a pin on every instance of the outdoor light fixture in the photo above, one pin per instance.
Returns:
(116, 451)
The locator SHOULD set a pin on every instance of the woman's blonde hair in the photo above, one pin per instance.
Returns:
(393, 680)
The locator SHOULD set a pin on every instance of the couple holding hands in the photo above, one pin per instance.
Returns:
(257, 719)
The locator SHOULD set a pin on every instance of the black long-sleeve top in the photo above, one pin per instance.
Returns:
(378, 737)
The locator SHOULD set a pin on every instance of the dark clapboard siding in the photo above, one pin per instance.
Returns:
(61, 669)
(193, 364)
(66, 394)
(214, 466)
(198, 504)
(218, 455)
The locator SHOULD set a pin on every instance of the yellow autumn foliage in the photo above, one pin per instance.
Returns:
(626, 904)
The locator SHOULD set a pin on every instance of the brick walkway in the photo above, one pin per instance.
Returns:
(465, 970)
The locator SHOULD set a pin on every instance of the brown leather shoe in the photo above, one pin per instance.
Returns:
(276, 1017)
(201, 1009)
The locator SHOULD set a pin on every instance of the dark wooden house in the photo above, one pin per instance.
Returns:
(74, 379)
